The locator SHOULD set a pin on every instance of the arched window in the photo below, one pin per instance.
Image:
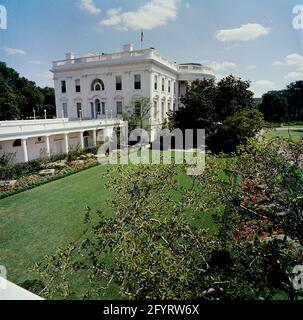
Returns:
(97, 85)
(17, 143)
(86, 134)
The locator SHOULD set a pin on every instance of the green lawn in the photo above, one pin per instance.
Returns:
(294, 134)
(35, 223)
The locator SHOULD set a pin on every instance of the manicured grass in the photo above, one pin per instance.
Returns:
(35, 223)
(293, 134)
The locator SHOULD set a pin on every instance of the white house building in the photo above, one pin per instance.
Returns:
(92, 92)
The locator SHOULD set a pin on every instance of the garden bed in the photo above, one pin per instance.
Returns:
(47, 172)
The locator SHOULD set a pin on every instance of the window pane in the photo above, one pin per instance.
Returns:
(119, 107)
(65, 114)
(79, 111)
(137, 81)
(118, 83)
(155, 109)
(63, 86)
(78, 88)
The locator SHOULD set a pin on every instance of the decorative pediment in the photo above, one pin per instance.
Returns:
(97, 96)
(118, 98)
(137, 97)
(78, 98)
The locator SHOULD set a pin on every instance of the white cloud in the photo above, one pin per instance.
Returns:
(154, 13)
(294, 76)
(252, 67)
(187, 5)
(266, 83)
(247, 32)
(295, 60)
(89, 6)
(113, 18)
(13, 51)
(222, 66)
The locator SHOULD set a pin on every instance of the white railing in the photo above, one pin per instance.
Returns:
(195, 69)
(9, 123)
(126, 55)
(60, 125)
(104, 57)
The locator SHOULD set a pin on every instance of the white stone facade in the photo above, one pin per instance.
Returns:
(92, 92)
(162, 81)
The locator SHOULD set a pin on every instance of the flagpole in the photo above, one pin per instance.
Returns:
(142, 39)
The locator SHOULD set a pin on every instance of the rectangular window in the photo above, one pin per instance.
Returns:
(64, 107)
(118, 83)
(169, 84)
(137, 82)
(174, 87)
(79, 110)
(155, 109)
(103, 107)
(138, 108)
(119, 107)
(63, 86)
(162, 110)
(156, 83)
(163, 84)
(77, 84)
(174, 107)
(168, 106)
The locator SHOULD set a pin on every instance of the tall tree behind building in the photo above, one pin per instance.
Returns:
(19, 96)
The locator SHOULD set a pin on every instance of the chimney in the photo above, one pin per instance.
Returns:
(69, 56)
(128, 47)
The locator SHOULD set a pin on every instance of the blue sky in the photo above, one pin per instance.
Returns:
(254, 39)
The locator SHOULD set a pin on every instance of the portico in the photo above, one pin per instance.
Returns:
(31, 140)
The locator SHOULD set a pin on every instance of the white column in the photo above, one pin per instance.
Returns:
(48, 151)
(81, 140)
(24, 148)
(66, 147)
(94, 137)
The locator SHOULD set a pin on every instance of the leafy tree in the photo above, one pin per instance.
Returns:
(197, 110)
(20, 96)
(208, 105)
(232, 96)
(275, 106)
(285, 105)
(151, 249)
(8, 102)
(236, 129)
(138, 114)
(294, 93)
